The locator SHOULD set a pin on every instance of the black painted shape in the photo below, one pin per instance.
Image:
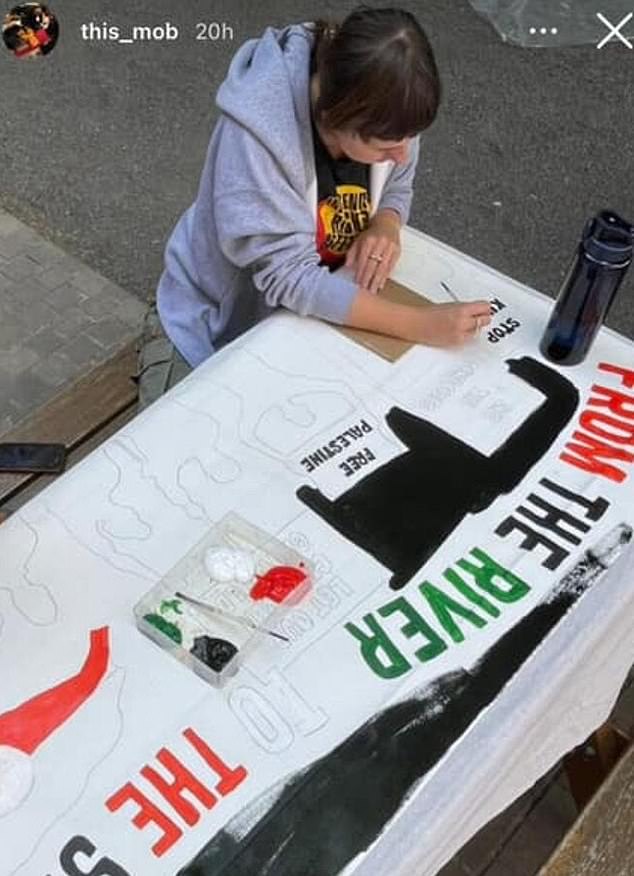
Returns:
(81, 845)
(333, 810)
(403, 511)
(214, 653)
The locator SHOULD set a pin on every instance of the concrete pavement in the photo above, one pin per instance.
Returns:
(58, 318)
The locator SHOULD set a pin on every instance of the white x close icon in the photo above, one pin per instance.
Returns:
(615, 30)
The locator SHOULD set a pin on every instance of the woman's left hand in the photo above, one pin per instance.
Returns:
(375, 252)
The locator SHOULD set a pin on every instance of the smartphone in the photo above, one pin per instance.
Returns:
(15, 457)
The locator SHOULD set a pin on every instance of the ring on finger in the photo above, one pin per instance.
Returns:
(376, 258)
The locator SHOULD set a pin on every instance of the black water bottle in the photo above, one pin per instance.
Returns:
(585, 297)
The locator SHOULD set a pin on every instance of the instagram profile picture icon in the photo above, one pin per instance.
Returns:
(30, 30)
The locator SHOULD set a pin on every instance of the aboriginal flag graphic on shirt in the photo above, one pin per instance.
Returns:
(343, 208)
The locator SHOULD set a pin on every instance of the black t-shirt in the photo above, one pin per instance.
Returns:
(343, 203)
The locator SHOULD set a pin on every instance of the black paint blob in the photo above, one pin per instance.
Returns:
(403, 511)
(214, 653)
(335, 808)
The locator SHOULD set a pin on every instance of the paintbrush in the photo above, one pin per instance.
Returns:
(236, 618)
(448, 291)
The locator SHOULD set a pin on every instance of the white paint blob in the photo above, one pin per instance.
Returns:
(229, 564)
(16, 778)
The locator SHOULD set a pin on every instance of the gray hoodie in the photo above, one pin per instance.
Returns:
(247, 244)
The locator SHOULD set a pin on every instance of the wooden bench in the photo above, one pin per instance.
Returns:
(601, 841)
(80, 417)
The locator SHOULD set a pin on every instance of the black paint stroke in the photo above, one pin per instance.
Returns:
(403, 511)
(335, 808)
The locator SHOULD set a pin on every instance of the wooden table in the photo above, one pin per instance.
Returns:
(601, 842)
(398, 719)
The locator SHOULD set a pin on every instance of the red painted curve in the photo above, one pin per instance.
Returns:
(29, 724)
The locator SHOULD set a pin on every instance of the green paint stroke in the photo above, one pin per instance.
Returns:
(170, 605)
(472, 595)
(166, 627)
(416, 626)
(378, 650)
(383, 656)
(444, 607)
(489, 570)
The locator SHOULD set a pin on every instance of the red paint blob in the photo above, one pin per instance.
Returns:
(29, 724)
(277, 583)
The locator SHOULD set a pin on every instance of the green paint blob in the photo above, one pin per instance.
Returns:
(444, 607)
(416, 626)
(170, 605)
(489, 570)
(472, 595)
(166, 627)
(378, 650)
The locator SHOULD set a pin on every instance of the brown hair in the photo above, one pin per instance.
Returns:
(377, 74)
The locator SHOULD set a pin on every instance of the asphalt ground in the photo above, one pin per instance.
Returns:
(102, 143)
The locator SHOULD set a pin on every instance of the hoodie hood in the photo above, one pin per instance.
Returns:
(273, 71)
(247, 244)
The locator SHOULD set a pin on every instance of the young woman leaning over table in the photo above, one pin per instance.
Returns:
(307, 182)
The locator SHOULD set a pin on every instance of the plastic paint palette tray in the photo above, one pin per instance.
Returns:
(239, 570)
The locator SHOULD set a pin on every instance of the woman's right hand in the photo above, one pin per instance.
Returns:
(451, 324)
(437, 325)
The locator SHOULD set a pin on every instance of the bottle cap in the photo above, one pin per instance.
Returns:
(608, 238)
